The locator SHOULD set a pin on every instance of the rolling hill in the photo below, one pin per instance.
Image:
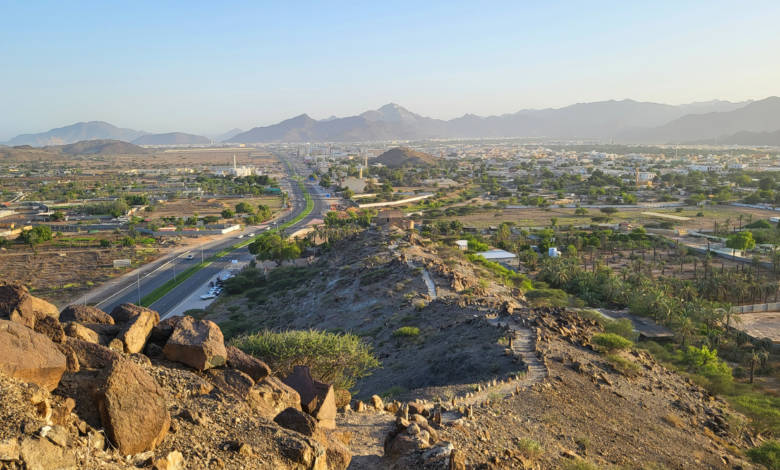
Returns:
(404, 157)
(172, 138)
(101, 147)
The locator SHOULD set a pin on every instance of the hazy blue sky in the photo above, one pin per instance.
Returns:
(206, 67)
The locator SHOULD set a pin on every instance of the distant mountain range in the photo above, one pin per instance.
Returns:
(100, 130)
(625, 121)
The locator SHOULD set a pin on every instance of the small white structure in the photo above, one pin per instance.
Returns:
(462, 245)
(553, 252)
(121, 263)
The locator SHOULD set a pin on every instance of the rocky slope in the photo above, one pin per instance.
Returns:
(488, 382)
(85, 389)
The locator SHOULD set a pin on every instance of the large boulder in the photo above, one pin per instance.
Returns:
(317, 398)
(297, 420)
(51, 328)
(270, 396)
(43, 308)
(163, 330)
(85, 314)
(30, 356)
(136, 326)
(231, 382)
(91, 355)
(250, 365)
(16, 304)
(79, 331)
(132, 408)
(196, 343)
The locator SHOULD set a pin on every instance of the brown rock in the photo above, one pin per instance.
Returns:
(231, 381)
(173, 461)
(41, 454)
(270, 396)
(297, 421)
(317, 398)
(91, 355)
(137, 323)
(9, 449)
(78, 331)
(132, 408)
(51, 328)
(337, 454)
(30, 356)
(163, 330)
(250, 365)
(376, 400)
(196, 343)
(43, 308)
(85, 314)
(16, 305)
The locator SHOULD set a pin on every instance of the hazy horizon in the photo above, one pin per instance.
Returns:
(188, 68)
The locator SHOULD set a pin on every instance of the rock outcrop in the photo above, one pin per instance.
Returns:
(132, 408)
(317, 398)
(30, 356)
(136, 326)
(85, 314)
(196, 343)
(250, 365)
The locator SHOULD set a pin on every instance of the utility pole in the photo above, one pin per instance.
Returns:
(138, 284)
(201, 255)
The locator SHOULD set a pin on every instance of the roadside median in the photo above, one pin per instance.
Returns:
(168, 286)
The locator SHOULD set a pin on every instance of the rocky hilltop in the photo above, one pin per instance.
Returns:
(87, 389)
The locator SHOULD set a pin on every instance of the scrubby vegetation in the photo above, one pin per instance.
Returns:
(610, 341)
(334, 358)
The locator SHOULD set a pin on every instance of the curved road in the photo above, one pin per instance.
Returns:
(130, 288)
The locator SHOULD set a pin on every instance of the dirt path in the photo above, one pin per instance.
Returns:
(370, 428)
(427, 278)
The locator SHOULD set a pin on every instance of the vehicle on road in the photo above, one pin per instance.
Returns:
(189, 256)
(208, 296)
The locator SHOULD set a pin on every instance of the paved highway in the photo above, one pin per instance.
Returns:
(150, 277)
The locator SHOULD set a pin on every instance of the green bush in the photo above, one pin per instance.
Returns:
(529, 448)
(548, 297)
(767, 454)
(610, 341)
(406, 331)
(338, 359)
(713, 373)
(622, 327)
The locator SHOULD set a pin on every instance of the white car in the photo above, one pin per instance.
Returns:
(208, 296)
(189, 256)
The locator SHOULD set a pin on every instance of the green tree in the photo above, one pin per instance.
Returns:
(228, 214)
(263, 212)
(742, 241)
(274, 247)
(36, 235)
(244, 208)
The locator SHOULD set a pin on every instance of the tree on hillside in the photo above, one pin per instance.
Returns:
(274, 247)
(227, 214)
